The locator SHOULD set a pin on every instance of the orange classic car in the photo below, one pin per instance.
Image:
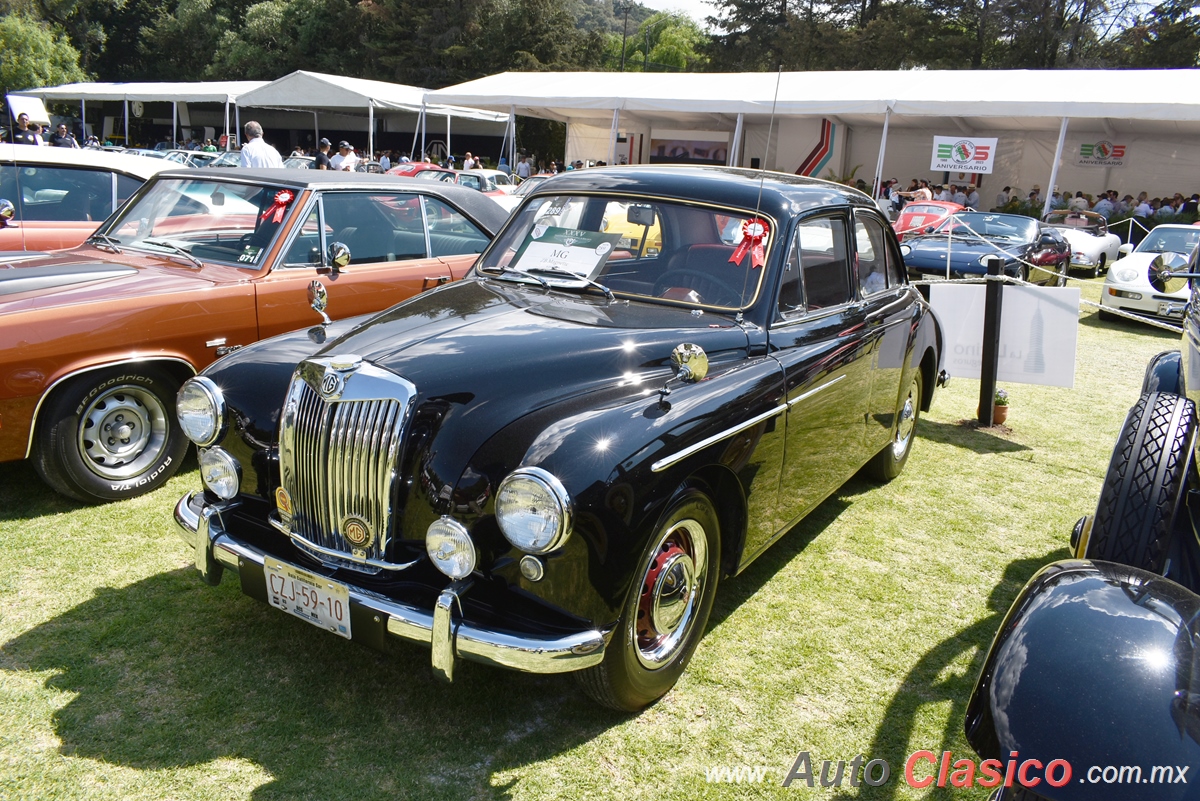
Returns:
(95, 341)
(60, 195)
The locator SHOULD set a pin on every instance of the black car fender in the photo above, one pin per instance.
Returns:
(1164, 373)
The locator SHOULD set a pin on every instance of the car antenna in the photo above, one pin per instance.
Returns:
(762, 176)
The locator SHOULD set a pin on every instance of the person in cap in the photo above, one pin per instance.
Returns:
(256, 152)
(321, 161)
(345, 160)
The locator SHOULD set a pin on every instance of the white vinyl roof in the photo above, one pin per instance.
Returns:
(1114, 101)
(184, 92)
(315, 90)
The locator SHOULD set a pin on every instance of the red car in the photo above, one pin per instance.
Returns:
(424, 170)
(921, 214)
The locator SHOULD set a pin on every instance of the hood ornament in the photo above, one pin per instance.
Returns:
(337, 370)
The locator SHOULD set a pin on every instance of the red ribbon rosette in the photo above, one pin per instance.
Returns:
(754, 231)
(282, 198)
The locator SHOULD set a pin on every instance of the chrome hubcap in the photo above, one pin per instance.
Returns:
(671, 590)
(122, 432)
(908, 422)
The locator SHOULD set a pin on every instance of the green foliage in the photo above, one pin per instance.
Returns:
(33, 54)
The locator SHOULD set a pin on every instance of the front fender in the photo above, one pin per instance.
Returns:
(1094, 664)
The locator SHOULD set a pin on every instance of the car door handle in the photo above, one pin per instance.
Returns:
(436, 280)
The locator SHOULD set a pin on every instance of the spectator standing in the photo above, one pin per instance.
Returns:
(1003, 198)
(23, 135)
(63, 138)
(1104, 206)
(404, 159)
(1078, 203)
(345, 160)
(503, 167)
(209, 147)
(523, 169)
(256, 152)
(469, 162)
(321, 160)
(1143, 208)
(973, 198)
(960, 196)
(385, 163)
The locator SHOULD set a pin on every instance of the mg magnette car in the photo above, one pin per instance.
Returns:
(95, 341)
(1097, 664)
(549, 465)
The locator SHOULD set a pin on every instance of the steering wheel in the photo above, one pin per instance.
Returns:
(712, 290)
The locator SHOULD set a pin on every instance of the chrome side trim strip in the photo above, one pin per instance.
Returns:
(280, 526)
(525, 652)
(663, 464)
(814, 391)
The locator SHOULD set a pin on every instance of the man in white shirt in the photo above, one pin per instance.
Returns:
(959, 196)
(385, 163)
(1004, 196)
(345, 160)
(469, 161)
(973, 198)
(1078, 203)
(523, 170)
(256, 152)
(1104, 207)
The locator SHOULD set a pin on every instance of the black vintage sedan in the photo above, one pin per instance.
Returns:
(958, 247)
(649, 376)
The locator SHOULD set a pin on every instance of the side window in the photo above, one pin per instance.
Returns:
(791, 288)
(872, 255)
(305, 249)
(65, 194)
(824, 262)
(367, 224)
(126, 186)
(8, 188)
(450, 232)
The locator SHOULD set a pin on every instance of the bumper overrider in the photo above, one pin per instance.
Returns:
(442, 628)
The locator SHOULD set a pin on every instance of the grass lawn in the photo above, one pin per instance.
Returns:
(122, 676)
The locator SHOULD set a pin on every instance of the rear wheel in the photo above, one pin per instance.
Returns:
(667, 609)
(888, 463)
(1146, 480)
(110, 434)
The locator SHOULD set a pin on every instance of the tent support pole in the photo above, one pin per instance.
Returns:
(1062, 138)
(512, 145)
(83, 118)
(416, 130)
(424, 123)
(316, 131)
(612, 140)
(174, 123)
(736, 144)
(887, 117)
(370, 130)
(448, 150)
(126, 102)
(237, 122)
(227, 142)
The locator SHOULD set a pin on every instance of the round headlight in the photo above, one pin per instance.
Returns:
(219, 471)
(1127, 275)
(533, 510)
(905, 250)
(200, 408)
(450, 548)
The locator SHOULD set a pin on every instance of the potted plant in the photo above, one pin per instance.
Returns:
(1000, 406)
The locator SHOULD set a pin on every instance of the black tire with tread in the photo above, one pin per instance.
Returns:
(1145, 483)
(621, 682)
(56, 453)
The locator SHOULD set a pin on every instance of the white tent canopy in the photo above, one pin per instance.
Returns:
(146, 91)
(774, 119)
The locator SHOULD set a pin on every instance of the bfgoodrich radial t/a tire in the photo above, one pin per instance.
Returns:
(668, 608)
(110, 434)
(1145, 483)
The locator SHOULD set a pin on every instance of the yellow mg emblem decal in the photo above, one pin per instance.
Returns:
(283, 502)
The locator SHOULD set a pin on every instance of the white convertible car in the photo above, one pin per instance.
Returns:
(1127, 285)
(1093, 248)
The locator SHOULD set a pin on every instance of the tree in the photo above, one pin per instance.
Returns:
(1167, 36)
(34, 54)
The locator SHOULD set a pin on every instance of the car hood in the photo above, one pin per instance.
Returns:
(930, 251)
(1139, 265)
(1081, 240)
(86, 275)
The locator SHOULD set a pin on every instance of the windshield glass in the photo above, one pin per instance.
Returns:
(213, 220)
(648, 249)
(1170, 240)
(1008, 227)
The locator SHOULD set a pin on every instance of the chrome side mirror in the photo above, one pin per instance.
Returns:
(318, 299)
(691, 365)
(7, 212)
(336, 257)
(1164, 278)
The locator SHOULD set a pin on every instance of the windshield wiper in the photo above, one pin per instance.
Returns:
(545, 284)
(162, 243)
(108, 242)
(575, 276)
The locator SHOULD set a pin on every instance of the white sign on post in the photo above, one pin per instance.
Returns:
(1039, 328)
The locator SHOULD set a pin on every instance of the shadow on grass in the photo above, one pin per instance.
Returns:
(1131, 326)
(979, 440)
(937, 678)
(168, 672)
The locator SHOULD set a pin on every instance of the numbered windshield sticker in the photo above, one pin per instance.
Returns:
(550, 248)
(250, 254)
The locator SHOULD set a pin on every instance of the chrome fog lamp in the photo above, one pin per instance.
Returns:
(450, 548)
(220, 473)
(534, 510)
(200, 407)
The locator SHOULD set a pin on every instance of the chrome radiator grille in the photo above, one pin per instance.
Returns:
(340, 442)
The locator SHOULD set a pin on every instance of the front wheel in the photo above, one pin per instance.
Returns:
(667, 609)
(111, 434)
(888, 463)
(1143, 489)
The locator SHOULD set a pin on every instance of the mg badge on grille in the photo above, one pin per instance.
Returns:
(337, 370)
(357, 532)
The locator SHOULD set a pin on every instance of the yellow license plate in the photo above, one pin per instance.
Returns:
(306, 595)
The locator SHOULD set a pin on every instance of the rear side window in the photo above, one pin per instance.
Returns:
(64, 194)
(823, 262)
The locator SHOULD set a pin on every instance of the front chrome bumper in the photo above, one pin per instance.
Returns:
(443, 628)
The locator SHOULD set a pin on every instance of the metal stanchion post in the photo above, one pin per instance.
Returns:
(991, 340)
